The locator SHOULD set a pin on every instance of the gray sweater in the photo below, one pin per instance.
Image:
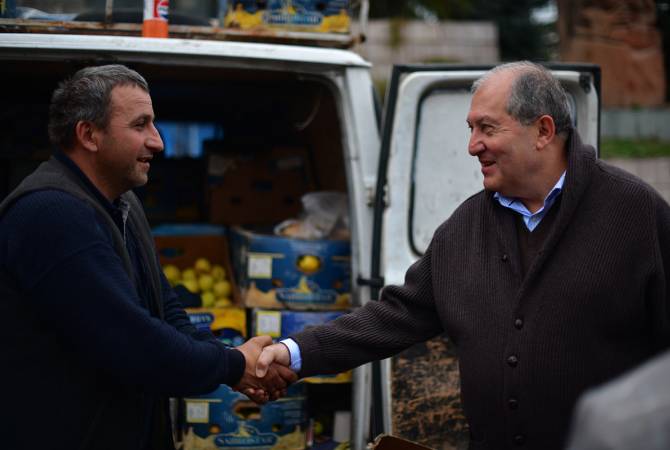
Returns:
(594, 303)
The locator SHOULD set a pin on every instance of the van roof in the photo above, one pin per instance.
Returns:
(133, 47)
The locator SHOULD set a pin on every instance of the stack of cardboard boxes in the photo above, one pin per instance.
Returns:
(279, 286)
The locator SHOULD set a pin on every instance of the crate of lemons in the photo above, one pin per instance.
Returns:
(208, 280)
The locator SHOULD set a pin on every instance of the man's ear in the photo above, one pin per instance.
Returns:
(546, 130)
(86, 136)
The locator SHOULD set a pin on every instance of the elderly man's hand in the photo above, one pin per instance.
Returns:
(274, 381)
(270, 356)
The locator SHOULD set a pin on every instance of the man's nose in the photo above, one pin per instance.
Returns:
(154, 142)
(475, 145)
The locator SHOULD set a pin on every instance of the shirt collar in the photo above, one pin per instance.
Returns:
(518, 206)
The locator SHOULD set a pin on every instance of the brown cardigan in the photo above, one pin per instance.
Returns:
(594, 303)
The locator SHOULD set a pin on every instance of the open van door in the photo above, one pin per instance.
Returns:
(424, 173)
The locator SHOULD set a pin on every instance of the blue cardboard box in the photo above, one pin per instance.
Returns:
(325, 16)
(282, 324)
(225, 419)
(229, 325)
(284, 273)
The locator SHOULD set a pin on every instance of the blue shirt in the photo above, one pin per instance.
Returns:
(532, 220)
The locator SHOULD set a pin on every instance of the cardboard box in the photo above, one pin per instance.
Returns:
(325, 16)
(285, 273)
(182, 244)
(229, 325)
(282, 324)
(225, 419)
(258, 186)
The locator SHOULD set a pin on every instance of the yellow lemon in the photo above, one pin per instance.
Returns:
(218, 272)
(309, 263)
(188, 274)
(223, 303)
(206, 282)
(172, 273)
(222, 288)
(191, 285)
(208, 299)
(202, 265)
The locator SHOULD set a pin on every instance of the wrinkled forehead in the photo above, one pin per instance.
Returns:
(491, 97)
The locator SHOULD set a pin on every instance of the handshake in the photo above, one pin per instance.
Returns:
(266, 374)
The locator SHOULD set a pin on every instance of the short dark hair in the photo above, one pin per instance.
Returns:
(534, 93)
(86, 96)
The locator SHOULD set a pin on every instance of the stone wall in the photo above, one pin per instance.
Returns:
(620, 36)
(391, 42)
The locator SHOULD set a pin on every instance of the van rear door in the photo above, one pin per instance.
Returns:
(425, 172)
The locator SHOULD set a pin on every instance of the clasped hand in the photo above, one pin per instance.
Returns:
(265, 378)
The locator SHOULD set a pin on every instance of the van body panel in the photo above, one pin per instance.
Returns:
(181, 49)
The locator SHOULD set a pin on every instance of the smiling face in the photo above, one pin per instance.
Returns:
(505, 148)
(127, 144)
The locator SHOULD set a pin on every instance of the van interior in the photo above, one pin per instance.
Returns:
(241, 146)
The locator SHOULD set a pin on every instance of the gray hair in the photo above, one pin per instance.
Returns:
(86, 97)
(534, 93)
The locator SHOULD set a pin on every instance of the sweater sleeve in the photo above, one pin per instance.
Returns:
(61, 255)
(403, 316)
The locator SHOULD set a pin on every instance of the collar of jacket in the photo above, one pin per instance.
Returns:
(581, 159)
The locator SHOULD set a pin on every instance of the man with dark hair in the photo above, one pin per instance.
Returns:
(95, 340)
(552, 279)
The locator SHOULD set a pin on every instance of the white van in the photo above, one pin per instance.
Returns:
(404, 172)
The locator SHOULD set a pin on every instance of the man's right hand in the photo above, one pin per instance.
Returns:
(275, 353)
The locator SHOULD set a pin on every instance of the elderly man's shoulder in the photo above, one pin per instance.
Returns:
(622, 184)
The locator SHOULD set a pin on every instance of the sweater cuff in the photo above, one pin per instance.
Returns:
(237, 366)
(309, 346)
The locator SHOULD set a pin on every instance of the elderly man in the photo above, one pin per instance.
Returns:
(94, 338)
(552, 279)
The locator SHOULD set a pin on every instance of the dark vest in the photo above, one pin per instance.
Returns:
(68, 404)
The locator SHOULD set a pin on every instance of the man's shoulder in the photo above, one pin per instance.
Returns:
(619, 182)
(47, 207)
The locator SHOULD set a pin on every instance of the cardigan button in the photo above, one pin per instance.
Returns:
(518, 323)
(513, 403)
(504, 257)
(512, 361)
(519, 439)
